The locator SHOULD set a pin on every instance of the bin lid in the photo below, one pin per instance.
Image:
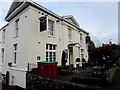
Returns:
(48, 62)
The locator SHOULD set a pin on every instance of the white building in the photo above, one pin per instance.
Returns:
(119, 22)
(0, 51)
(34, 34)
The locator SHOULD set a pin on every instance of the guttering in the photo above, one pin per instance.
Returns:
(80, 29)
(4, 26)
(25, 4)
(44, 9)
(55, 15)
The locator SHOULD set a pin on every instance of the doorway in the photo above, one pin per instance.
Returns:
(70, 55)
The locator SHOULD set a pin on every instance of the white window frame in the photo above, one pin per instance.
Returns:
(3, 36)
(81, 38)
(3, 53)
(51, 27)
(16, 27)
(82, 53)
(69, 34)
(15, 47)
(52, 51)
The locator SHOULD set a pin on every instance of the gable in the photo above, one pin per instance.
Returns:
(71, 19)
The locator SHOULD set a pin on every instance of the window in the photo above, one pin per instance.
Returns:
(3, 36)
(16, 27)
(80, 37)
(82, 53)
(15, 52)
(50, 52)
(82, 50)
(2, 55)
(50, 27)
(69, 34)
(82, 56)
(43, 23)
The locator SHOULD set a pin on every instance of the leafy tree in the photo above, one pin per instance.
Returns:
(107, 53)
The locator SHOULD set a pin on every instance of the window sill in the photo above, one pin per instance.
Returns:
(15, 36)
(1, 64)
(3, 42)
(51, 36)
(14, 65)
(70, 41)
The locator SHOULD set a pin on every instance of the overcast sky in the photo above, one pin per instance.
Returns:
(100, 19)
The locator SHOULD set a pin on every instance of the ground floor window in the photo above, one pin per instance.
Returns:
(15, 53)
(50, 52)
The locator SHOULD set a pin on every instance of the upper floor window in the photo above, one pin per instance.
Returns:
(3, 36)
(82, 50)
(50, 27)
(43, 23)
(15, 52)
(69, 34)
(16, 27)
(80, 37)
(2, 51)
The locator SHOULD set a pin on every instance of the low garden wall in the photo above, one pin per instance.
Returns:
(35, 82)
(110, 74)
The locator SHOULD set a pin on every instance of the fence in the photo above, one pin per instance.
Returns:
(87, 75)
(80, 75)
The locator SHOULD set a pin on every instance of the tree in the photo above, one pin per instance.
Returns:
(106, 53)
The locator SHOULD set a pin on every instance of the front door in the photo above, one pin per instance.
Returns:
(71, 55)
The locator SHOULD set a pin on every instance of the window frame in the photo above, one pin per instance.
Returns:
(15, 48)
(82, 53)
(3, 35)
(2, 54)
(69, 34)
(43, 21)
(50, 52)
(81, 37)
(51, 29)
(16, 27)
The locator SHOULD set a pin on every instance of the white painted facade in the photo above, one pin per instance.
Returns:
(31, 43)
(0, 50)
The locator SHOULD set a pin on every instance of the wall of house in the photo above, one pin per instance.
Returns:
(18, 70)
(0, 51)
(37, 40)
(84, 46)
(32, 43)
